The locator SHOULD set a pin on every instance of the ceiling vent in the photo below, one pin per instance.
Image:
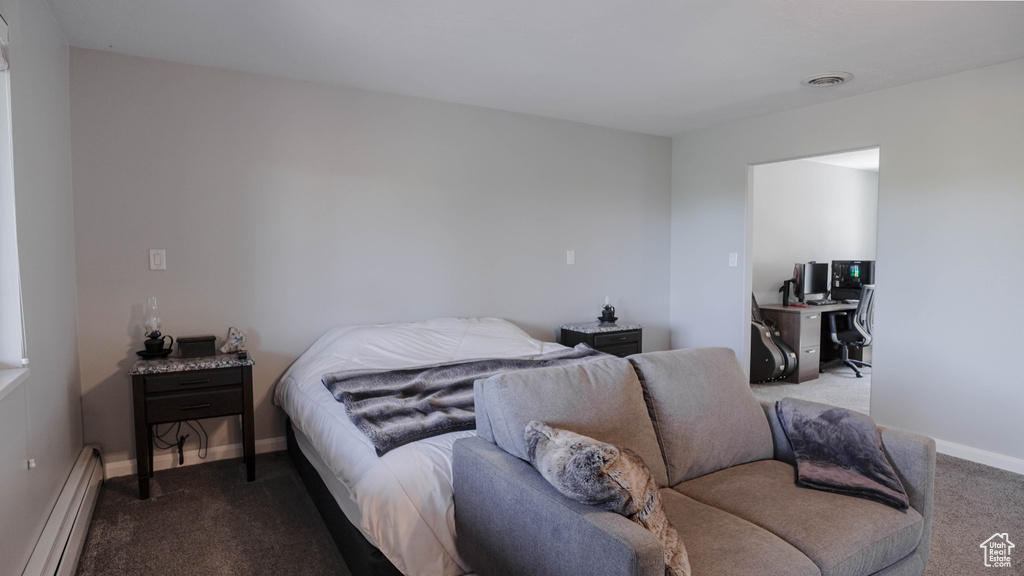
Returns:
(827, 79)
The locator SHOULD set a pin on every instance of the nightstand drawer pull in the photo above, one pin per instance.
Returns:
(195, 406)
(194, 382)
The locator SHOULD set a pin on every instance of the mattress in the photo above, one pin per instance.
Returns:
(402, 501)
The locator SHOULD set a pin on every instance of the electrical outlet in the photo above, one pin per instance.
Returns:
(570, 257)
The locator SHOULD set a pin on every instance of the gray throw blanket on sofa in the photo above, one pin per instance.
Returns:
(839, 450)
(396, 407)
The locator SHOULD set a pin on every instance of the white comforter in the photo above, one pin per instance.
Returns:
(405, 496)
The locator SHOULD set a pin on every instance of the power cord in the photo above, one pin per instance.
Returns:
(204, 438)
(161, 442)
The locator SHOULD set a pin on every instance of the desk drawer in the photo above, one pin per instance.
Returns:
(175, 407)
(807, 363)
(179, 381)
(616, 338)
(810, 328)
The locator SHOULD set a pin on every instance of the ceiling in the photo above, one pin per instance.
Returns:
(653, 66)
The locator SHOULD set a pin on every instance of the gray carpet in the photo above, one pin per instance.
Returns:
(207, 520)
(973, 502)
(837, 386)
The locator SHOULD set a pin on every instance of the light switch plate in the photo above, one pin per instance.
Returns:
(157, 259)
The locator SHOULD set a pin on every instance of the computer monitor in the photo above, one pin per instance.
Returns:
(810, 278)
(849, 275)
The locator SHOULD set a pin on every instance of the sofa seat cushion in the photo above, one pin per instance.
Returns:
(843, 535)
(722, 544)
(703, 411)
(601, 399)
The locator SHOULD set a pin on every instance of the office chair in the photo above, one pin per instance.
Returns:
(858, 331)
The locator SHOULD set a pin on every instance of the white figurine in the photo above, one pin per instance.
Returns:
(234, 342)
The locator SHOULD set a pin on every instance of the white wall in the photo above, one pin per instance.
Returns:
(287, 208)
(806, 211)
(951, 194)
(42, 418)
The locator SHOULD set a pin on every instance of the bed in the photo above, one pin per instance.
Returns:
(393, 513)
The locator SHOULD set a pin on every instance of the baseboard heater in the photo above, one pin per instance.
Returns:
(57, 551)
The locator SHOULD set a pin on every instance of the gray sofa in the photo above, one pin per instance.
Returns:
(723, 465)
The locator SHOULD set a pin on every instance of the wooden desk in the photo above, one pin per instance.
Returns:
(801, 329)
(175, 389)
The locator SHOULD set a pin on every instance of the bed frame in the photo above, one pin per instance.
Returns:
(362, 558)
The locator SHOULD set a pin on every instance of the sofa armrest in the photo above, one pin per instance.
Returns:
(913, 458)
(509, 520)
(911, 455)
(783, 451)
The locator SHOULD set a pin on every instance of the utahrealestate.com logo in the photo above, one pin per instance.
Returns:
(997, 550)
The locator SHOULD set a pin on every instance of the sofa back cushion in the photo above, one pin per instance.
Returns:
(705, 416)
(601, 399)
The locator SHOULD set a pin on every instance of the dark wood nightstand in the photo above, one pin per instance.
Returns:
(172, 390)
(618, 339)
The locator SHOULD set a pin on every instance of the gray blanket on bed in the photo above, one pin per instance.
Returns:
(396, 407)
(839, 450)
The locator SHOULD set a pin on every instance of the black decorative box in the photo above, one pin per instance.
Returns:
(196, 346)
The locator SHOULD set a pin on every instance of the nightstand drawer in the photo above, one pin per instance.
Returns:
(622, 350)
(616, 338)
(175, 407)
(179, 381)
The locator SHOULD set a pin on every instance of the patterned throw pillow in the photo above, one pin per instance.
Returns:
(612, 478)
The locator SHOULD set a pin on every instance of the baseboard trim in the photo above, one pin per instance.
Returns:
(980, 456)
(168, 459)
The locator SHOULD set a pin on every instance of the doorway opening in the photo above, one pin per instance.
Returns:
(821, 210)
